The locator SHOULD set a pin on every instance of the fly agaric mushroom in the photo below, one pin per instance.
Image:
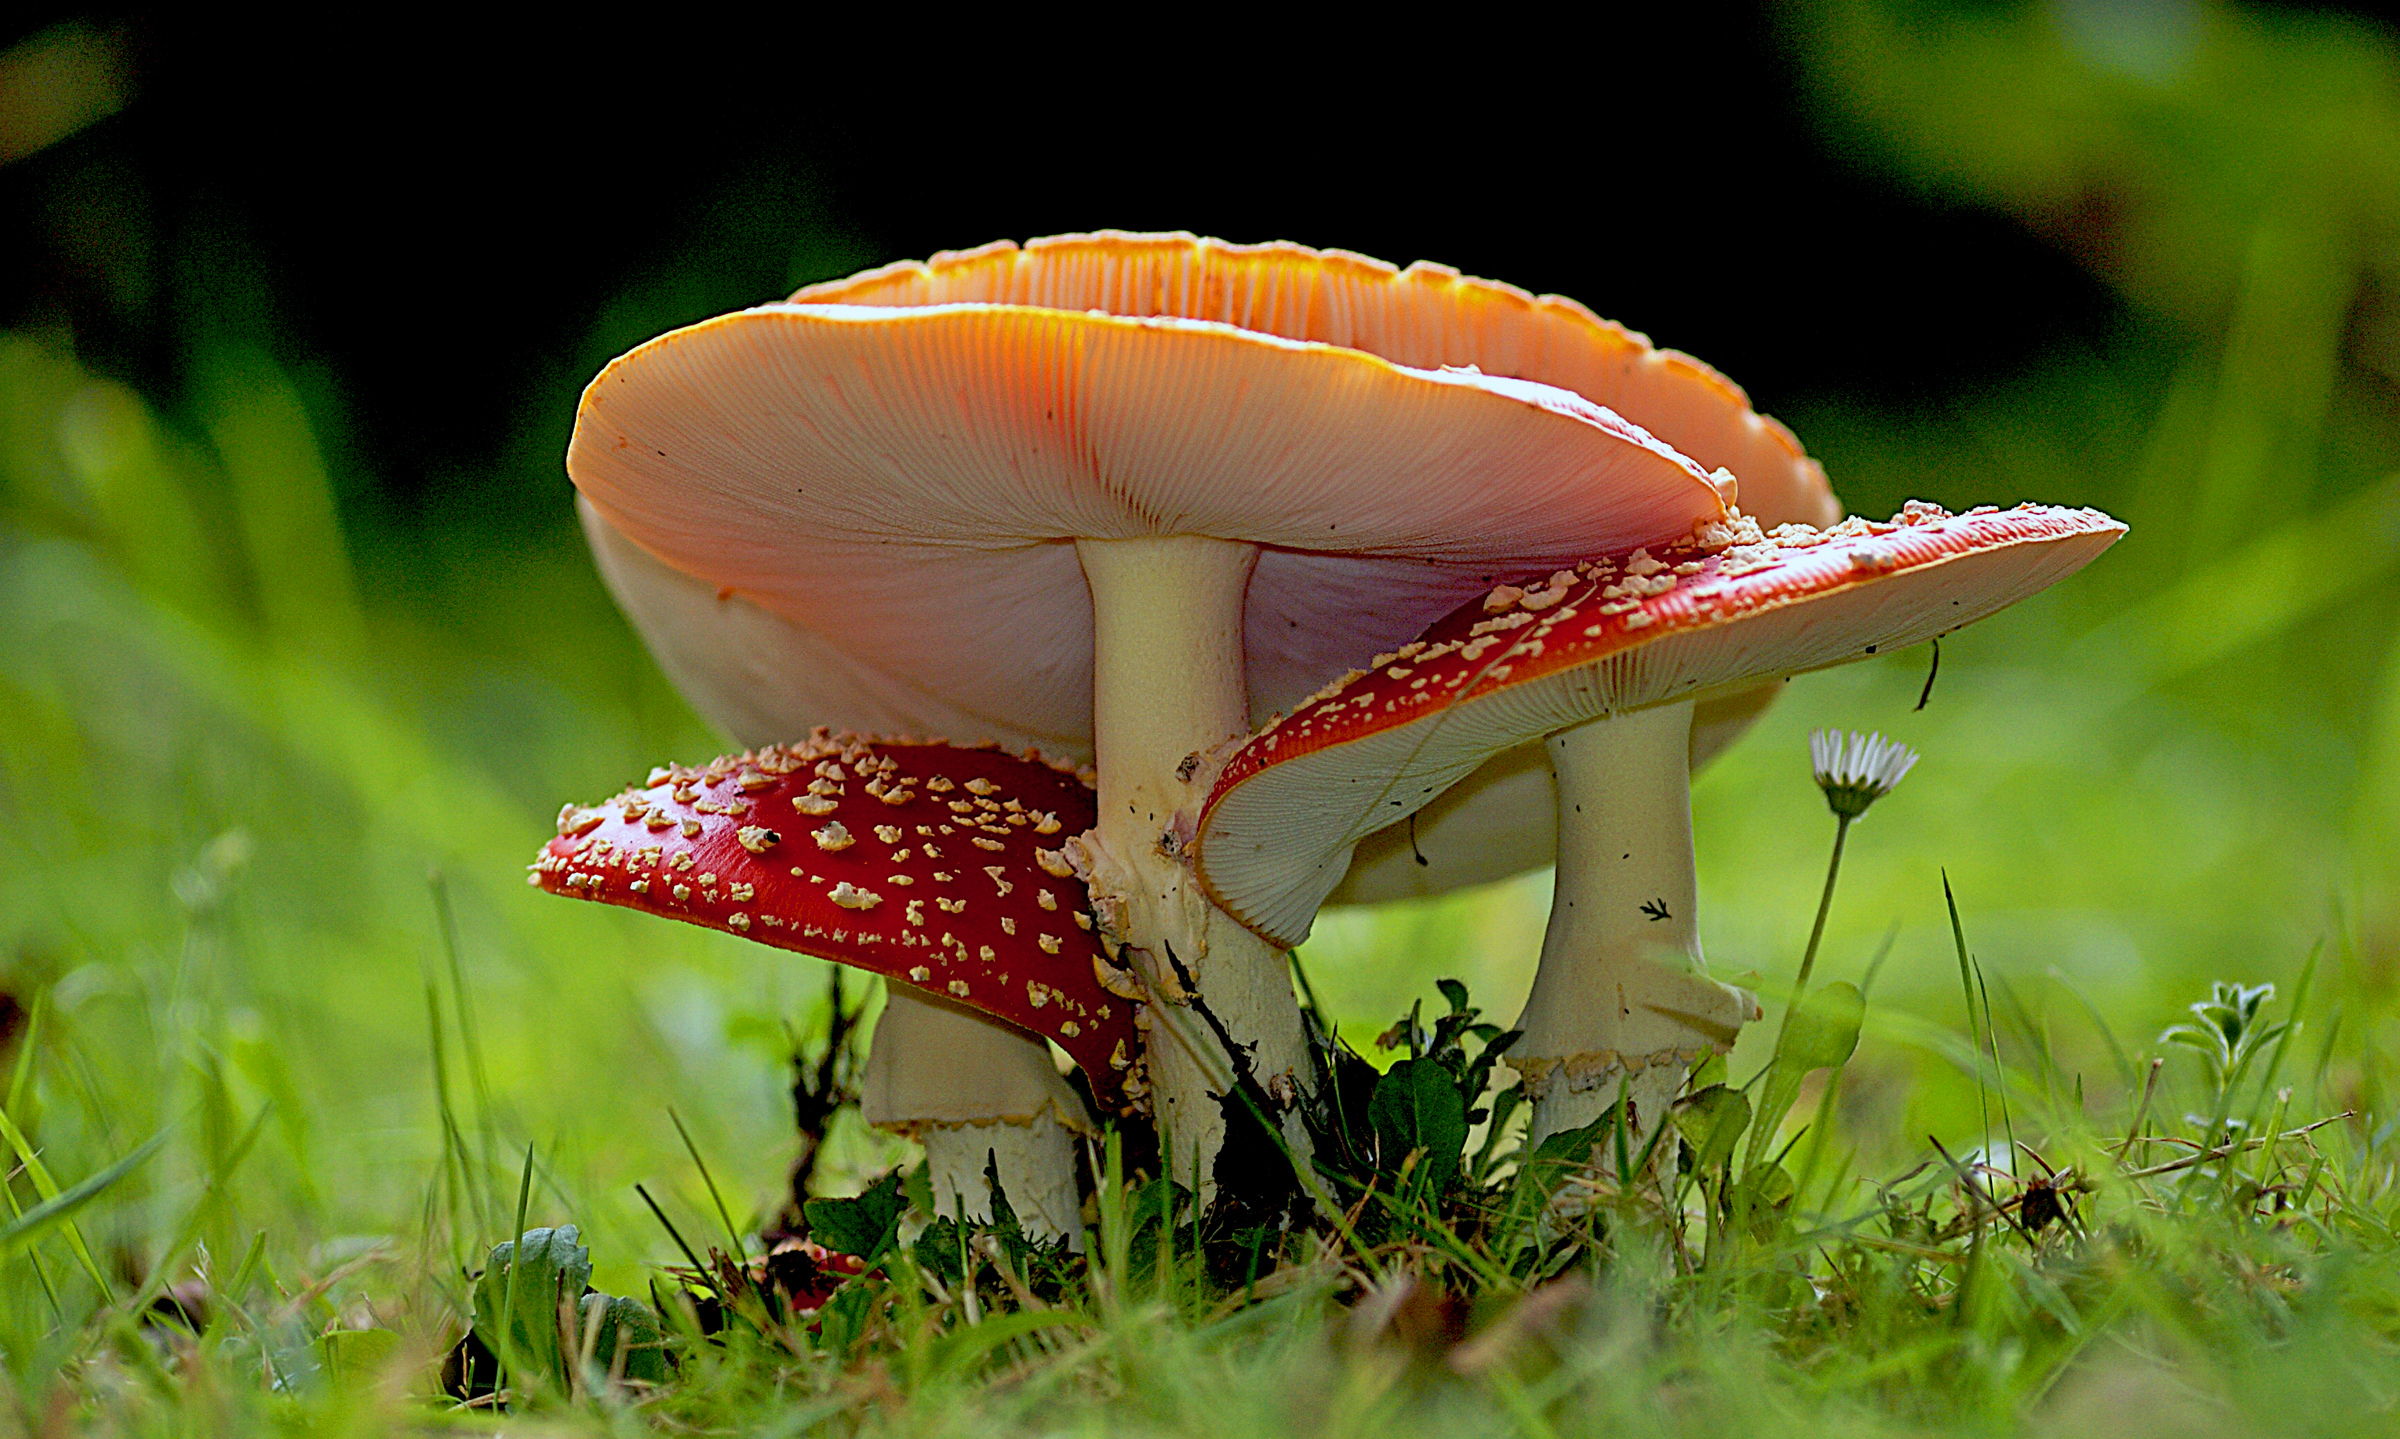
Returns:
(935, 866)
(922, 486)
(1605, 661)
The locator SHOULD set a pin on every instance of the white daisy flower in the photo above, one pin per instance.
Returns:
(1858, 771)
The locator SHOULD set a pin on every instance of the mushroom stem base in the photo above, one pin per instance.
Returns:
(1572, 1094)
(1622, 989)
(970, 1087)
(1035, 1160)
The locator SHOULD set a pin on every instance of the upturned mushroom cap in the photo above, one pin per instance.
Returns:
(900, 481)
(1728, 608)
(717, 636)
(934, 865)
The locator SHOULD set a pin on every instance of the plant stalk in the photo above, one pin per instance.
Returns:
(1808, 965)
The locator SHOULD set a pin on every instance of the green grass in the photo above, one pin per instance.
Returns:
(240, 726)
(2247, 1287)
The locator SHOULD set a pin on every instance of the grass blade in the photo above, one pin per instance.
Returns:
(469, 1033)
(57, 1208)
(1966, 983)
(231, 1160)
(1999, 1076)
(516, 1253)
(733, 1236)
(2108, 1036)
(48, 1188)
(707, 1275)
(456, 1171)
(26, 1045)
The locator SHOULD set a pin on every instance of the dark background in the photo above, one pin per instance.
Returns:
(452, 228)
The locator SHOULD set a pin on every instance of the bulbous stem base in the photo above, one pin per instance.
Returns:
(1622, 998)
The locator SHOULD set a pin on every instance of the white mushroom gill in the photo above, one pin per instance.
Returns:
(1622, 1000)
(1168, 682)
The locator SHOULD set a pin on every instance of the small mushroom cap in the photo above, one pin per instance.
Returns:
(899, 482)
(1731, 608)
(933, 865)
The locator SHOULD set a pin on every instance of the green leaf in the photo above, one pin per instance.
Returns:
(1417, 1105)
(627, 1323)
(1540, 1174)
(1766, 1189)
(1711, 1122)
(556, 1271)
(845, 1316)
(1769, 1185)
(1823, 1032)
(866, 1226)
(353, 1356)
(1004, 1214)
(940, 1250)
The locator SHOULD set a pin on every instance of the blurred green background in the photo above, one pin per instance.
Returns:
(292, 610)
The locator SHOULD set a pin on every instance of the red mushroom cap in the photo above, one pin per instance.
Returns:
(1730, 608)
(933, 865)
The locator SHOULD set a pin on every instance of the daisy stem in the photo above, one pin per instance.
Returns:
(1816, 935)
(1808, 963)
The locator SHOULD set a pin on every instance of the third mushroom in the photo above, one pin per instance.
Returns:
(1606, 663)
(933, 865)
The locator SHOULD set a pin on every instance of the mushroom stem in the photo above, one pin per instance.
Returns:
(1168, 684)
(975, 1092)
(1622, 1000)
